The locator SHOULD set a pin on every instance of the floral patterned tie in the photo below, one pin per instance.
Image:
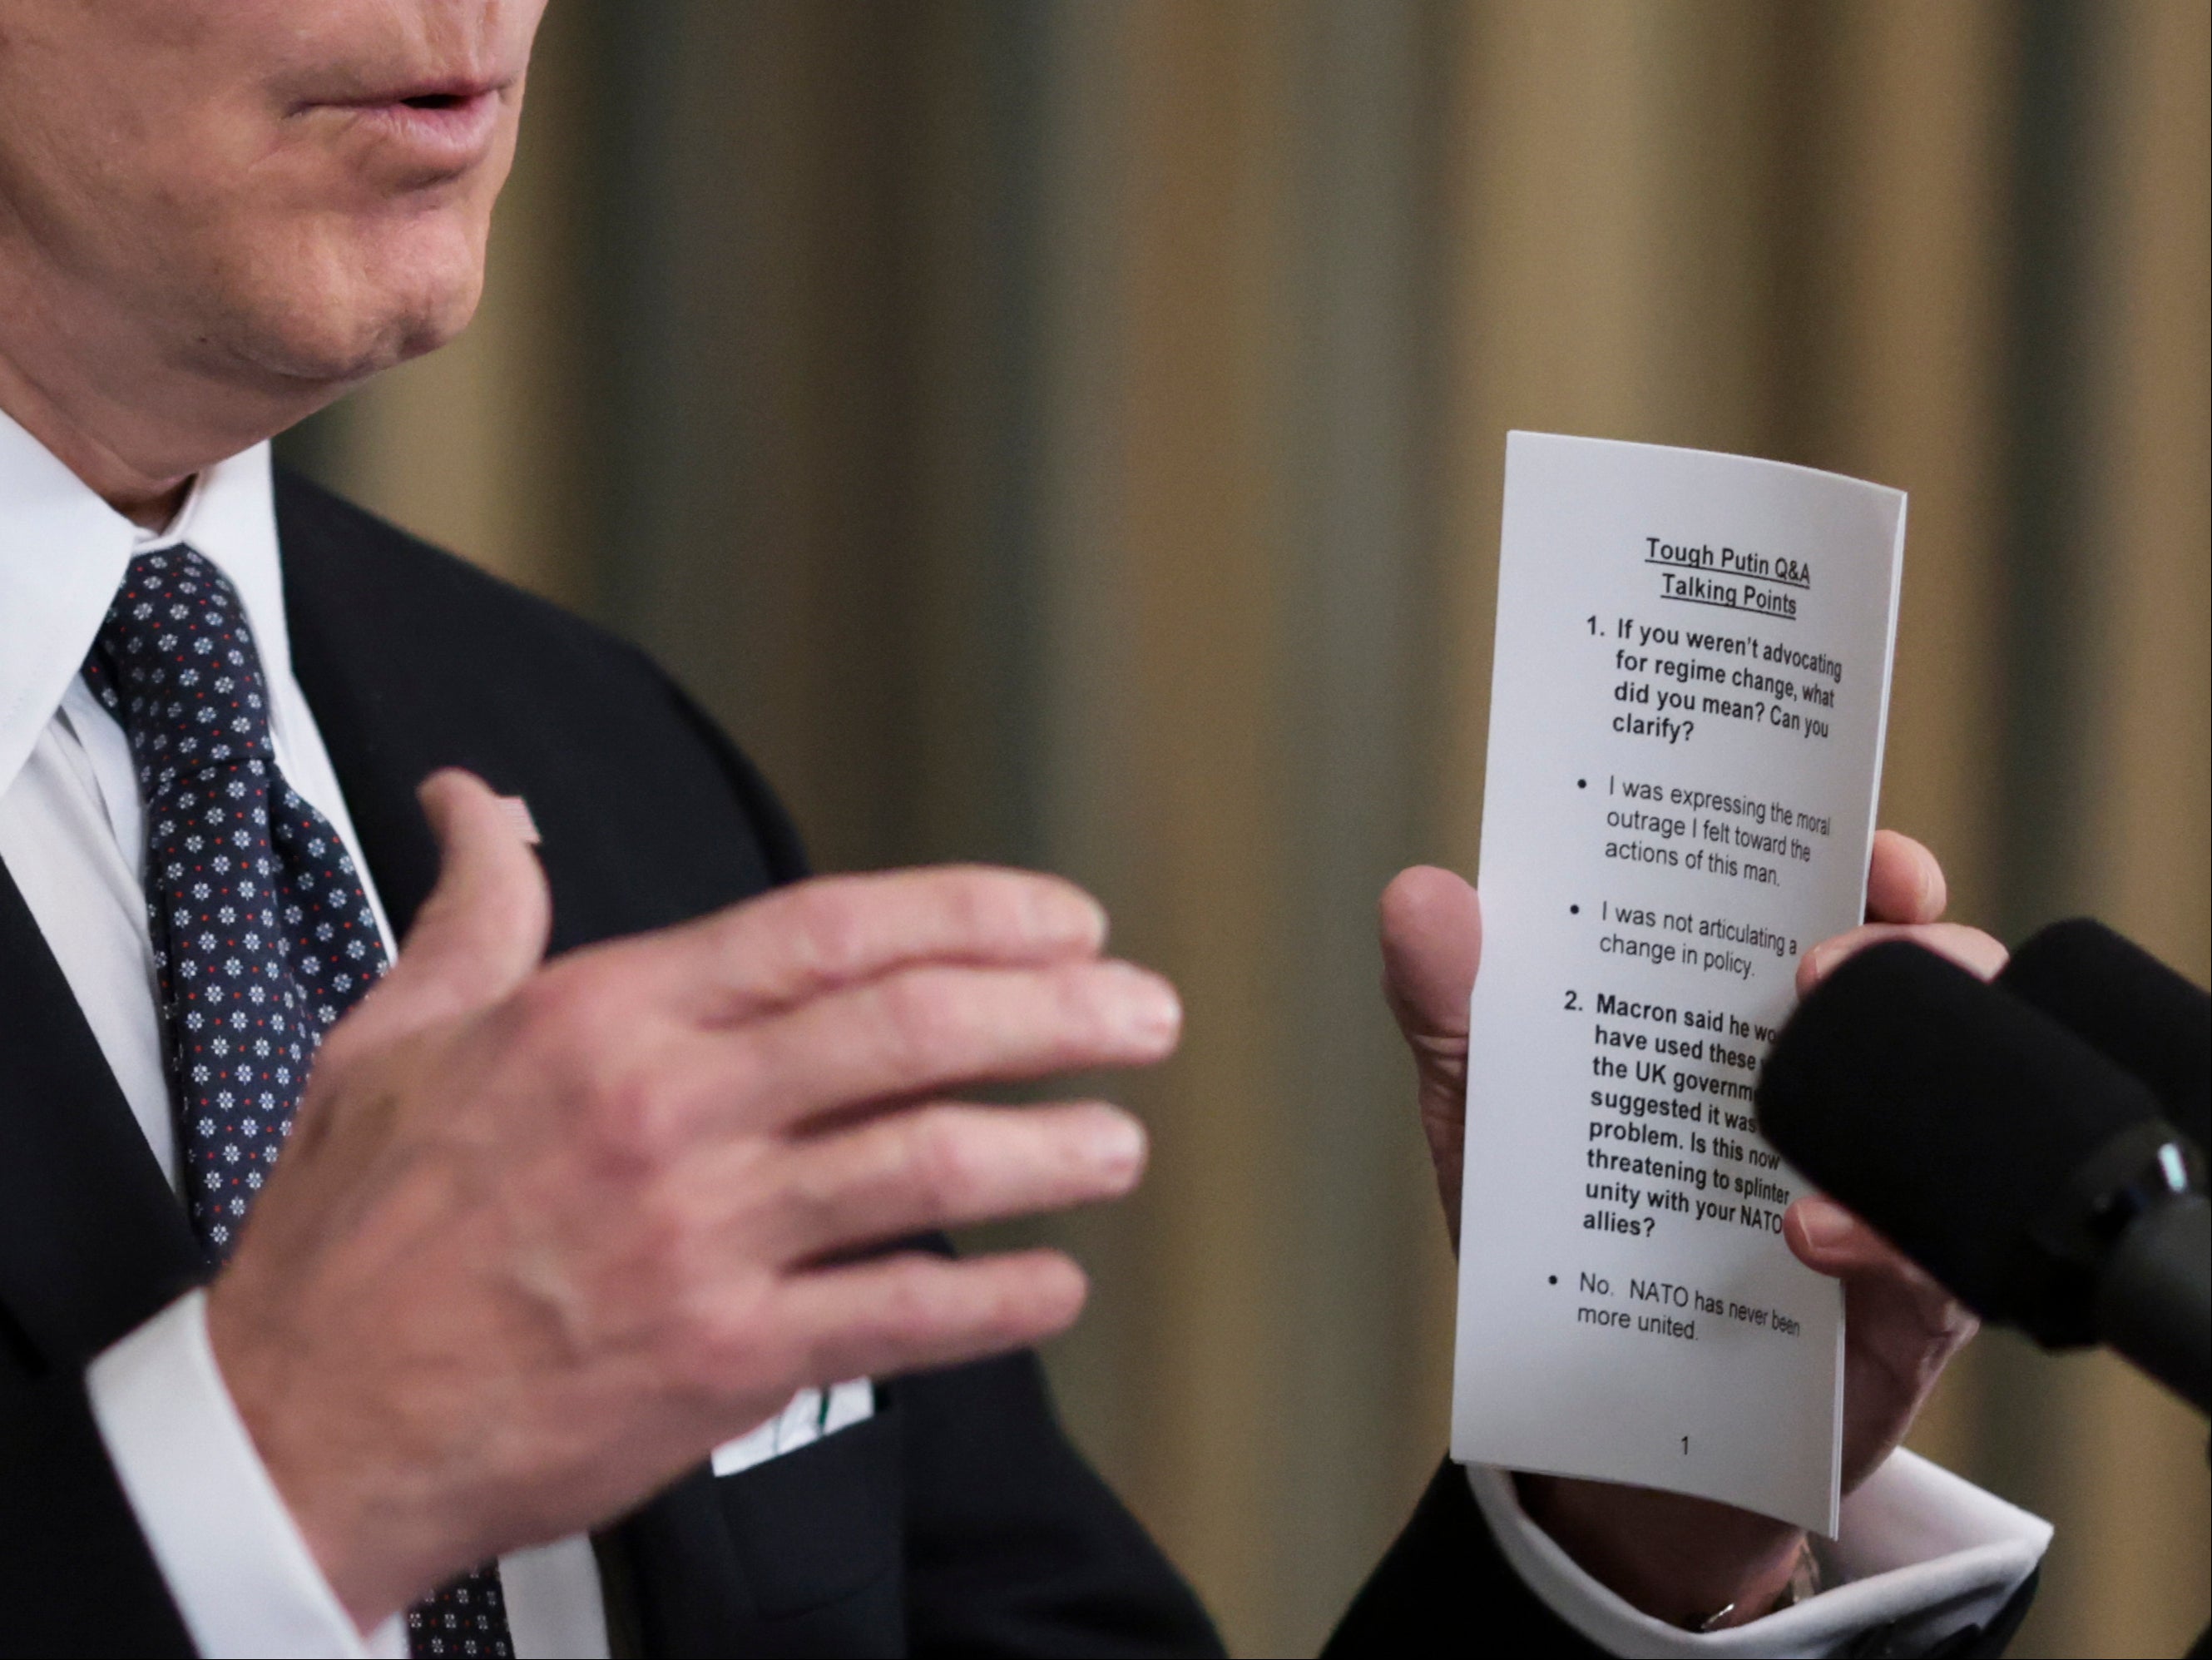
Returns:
(262, 935)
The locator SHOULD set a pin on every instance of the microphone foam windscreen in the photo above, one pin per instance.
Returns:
(1945, 1112)
(2129, 1007)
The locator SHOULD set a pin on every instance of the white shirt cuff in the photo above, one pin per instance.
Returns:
(1920, 1550)
(237, 1569)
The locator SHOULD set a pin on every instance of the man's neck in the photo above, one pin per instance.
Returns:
(155, 512)
(118, 409)
(147, 499)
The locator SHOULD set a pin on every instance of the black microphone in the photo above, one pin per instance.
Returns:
(2129, 1007)
(2039, 1182)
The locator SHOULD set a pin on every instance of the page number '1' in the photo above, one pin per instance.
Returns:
(1686, 1446)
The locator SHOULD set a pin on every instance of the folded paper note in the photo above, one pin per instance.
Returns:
(1686, 731)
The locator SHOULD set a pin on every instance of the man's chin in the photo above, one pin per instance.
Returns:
(334, 344)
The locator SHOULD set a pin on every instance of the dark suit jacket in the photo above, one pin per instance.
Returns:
(957, 1520)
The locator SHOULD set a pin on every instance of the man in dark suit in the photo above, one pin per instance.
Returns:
(583, 1311)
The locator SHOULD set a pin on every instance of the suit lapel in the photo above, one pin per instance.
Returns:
(93, 1240)
(365, 678)
(377, 766)
(667, 1573)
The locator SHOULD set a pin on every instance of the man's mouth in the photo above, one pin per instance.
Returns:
(445, 126)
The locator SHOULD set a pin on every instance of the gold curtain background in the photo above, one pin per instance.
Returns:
(1071, 434)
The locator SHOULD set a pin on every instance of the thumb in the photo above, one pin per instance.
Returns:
(483, 930)
(1431, 925)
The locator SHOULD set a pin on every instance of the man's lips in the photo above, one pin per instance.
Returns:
(443, 126)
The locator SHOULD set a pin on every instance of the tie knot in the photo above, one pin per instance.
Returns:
(176, 663)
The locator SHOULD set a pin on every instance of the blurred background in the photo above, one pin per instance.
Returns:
(1071, 434)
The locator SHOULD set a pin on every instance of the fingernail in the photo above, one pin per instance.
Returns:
(1147, 1006)
(1826, 1224)
(1816, 961)
(1058, 911)
(1117, 1145)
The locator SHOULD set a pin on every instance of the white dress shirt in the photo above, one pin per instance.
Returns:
(1918, 1547)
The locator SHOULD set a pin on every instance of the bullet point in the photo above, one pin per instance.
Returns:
(1574, 910)
(1553, 1280)
(1582, 783)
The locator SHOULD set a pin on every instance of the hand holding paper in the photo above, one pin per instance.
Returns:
(1694, 1555)
(1669, 1555)
(1689, 689)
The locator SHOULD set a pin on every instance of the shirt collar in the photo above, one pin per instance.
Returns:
(63, 553)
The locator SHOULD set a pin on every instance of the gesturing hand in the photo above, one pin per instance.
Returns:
(543, 1233)
(1679, 1557)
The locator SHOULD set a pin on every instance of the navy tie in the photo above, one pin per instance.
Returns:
(262, 932)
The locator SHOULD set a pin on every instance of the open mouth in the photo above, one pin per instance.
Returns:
(456, 100)
(444, 128)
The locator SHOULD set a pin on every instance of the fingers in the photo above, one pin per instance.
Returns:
(929, 1029)
(1970, 948)
(910, 1311)
(816, 937)
(1905, 883)
(952, 1165)
(1431, 928)
(1829, 1239)
(483, 929)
